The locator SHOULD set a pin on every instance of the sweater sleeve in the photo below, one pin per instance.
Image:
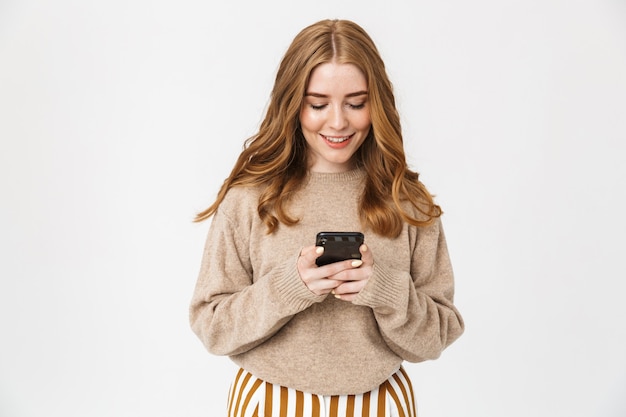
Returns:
(414, 309)
(232, 310)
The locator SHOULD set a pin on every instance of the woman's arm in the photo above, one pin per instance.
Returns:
(233, 311)
(414, 309)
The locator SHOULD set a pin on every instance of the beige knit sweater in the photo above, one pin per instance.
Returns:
(250, 303)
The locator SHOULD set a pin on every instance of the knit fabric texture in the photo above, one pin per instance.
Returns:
(250, 303)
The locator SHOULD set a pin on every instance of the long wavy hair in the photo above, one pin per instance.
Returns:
(276, 157)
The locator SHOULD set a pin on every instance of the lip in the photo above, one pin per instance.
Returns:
(337, 145)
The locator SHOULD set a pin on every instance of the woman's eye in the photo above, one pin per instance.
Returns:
(349, 105)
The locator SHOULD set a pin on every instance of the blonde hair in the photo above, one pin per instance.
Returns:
(276, 157)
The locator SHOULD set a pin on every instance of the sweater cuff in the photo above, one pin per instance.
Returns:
(292, 290)
(384, 292)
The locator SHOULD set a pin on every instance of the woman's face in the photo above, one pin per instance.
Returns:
(335, 116)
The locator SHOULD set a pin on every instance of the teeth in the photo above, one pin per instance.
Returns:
(336, 140)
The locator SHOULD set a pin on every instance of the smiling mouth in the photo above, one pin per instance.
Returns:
(337, 139)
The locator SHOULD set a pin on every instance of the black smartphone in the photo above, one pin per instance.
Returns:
(338, 246)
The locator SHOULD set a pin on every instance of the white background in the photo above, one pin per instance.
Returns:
(120, 119)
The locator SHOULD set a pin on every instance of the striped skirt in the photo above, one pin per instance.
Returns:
(252, 397)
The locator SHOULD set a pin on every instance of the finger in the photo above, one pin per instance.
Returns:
(356, 271)
(346, 297)
(309, 254)
(336, 270)
(348, 291)
(317, 283)
(322, 286)
(366, 255)
(352, 287)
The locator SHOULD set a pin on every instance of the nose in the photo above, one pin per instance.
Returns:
(337, 118)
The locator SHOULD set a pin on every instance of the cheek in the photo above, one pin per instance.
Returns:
(309, 120)
(363, 122)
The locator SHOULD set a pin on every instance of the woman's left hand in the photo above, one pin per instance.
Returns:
(354, 280)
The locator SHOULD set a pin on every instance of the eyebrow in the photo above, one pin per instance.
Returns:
(355, 94)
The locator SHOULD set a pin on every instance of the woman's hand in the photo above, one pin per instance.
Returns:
(314, 277)
(354, 278)
(344, 279)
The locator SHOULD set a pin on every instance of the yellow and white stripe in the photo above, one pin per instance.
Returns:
(252, 397)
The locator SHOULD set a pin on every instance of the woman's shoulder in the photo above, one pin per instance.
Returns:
(240, 200)
(238, 210)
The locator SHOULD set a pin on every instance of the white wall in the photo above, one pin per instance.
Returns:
(120, 119)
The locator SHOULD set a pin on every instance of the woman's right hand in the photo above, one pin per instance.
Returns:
(316, 278)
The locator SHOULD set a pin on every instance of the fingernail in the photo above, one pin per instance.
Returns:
(332, 292)
(357, 263)
(364, 247)
(338, 296)
(319, 250)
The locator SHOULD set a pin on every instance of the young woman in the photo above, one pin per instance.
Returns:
(325, 340)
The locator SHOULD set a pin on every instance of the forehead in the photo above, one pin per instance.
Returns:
(332, 78)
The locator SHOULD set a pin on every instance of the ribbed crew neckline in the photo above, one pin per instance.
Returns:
(356, 174)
